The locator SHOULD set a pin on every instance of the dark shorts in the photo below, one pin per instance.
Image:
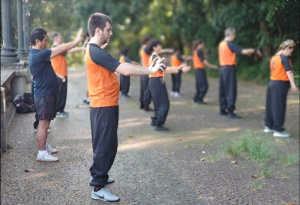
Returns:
(45, 107)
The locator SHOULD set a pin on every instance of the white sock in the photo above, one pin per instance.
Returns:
(42, 152)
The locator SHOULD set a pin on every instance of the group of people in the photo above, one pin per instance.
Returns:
(104, 88)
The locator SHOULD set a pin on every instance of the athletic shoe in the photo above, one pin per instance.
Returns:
(161, 128)
(281, 134)
(50, 149)
(200, 102)
(125, 95)
(267, 129)
(233, 116)
(172, 93)
(46, 157)
(86, 100)
(105, 195)
(177, 94)
(35, 130)
(223, 113)
(62, 115)
(109, 180)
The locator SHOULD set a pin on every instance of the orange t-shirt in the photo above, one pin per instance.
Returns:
(59, 64)
(197, 61)
(226, 55)
(145, 57)
(158, 73)
(279, 65)
(103, 84)
(175, 62)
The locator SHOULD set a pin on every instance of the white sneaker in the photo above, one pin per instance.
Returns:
(177, 94)
(172, 93)
(281, 134)
(50, 149)
(105, 195)
(46, 157)
(267, 129)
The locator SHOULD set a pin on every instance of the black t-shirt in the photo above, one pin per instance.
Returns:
(234, 48)
(179, 57)
(103, 58)
(285, 62)
(44, 78)
(127, 60)
(200, 54)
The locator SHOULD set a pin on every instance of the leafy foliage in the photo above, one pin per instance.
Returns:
(261, 24)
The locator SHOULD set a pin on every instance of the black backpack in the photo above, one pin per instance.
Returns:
(24, 104)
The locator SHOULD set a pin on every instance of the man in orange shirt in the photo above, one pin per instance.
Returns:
(59, 64)
(228, 84)
(104, 90)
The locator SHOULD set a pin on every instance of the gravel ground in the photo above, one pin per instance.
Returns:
(154, 167)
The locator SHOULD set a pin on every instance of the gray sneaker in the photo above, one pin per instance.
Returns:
(109, 180)
(62, 115)
(281, 134)
(105, 195)
(267, 129)
(50, 149)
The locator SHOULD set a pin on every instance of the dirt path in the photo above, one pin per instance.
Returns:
(154, 167)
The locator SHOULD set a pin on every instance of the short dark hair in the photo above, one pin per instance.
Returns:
(153, 43)
(97, 20)
(197, 43)
(145, 40)
(124, 51)
(37, 33)
(55, 35)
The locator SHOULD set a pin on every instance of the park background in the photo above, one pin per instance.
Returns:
(259, 24)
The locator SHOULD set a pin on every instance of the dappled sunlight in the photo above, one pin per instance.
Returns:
(35, 176)
(143, 144)
(293, 102)
(148, 140)
(130, 122)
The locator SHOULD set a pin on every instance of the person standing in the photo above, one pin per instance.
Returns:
(145, 96)
(281, 78)
(104, 90)
(45, 86)
(158, 87)
(125, 80)
(59, 64)
(200, 62)
(228, 83)
(176, 61)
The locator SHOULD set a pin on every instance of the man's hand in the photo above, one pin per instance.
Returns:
(104, 45)
(294, 89)
(63, 79)
(186, 68)
(156, 64)
(258, 53)
(78, 36)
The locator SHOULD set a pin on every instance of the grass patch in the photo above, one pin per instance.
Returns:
(130, 136)
(10, 146)
(256, 185)
(190, 145)
(266, 171)
(253, 146)
(289, 159)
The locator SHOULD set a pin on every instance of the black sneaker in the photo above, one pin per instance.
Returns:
(223, 113)
(200, 102)
(161, 128)
(233, 116)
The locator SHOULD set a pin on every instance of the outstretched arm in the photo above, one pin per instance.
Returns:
(66, 46)
(208, 64)
(76, 50)
(129, 69)
(250, 51)
(176, 70)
